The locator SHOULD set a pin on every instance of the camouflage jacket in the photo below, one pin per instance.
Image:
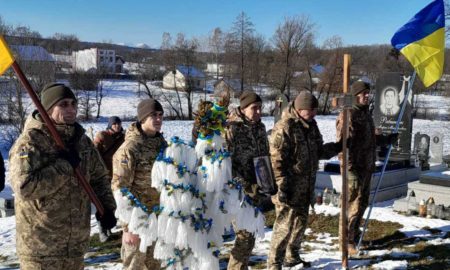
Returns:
(133, 162)
(245, 141)
(295, 148)
(107, 142)
(362, 155)
(53, 212)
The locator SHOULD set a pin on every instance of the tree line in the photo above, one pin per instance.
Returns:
(287, 61)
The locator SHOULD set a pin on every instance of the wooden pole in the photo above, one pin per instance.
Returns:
(48, 122)
(344, 217)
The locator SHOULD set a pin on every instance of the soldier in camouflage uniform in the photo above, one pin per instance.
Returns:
(296, 146)
(107, 142)
(53, 212)
(132, 166)
(362, 157)
(246, 139)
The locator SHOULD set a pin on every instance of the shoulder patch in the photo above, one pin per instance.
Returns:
(23, 154)
(124, 162)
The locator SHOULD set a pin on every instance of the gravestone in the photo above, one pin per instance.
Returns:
(389, 96)
(281, 102)
(436, 148)
(422, 149)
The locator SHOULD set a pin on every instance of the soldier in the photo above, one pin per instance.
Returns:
(296, 146)
(2, 173)
(53, 211)
(246, 139)
(107, 142)
(362, 157)
(132, 166)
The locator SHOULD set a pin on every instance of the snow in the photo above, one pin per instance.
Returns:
(121, 100)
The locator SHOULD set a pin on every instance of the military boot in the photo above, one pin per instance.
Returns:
(297, 262)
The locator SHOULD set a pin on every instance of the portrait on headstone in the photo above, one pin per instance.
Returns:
(390, 95)
(389, 103)
(436, 148)
(263, 173)
(422, 146)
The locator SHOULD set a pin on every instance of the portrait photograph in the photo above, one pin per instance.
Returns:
(263, 171)
(389, 102)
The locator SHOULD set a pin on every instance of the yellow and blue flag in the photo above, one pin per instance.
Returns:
(422, 42)
(6, 57)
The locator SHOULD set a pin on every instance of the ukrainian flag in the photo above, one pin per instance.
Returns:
(6, 57)
(422, 42)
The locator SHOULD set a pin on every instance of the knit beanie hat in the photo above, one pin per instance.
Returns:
(113, 120)
(359, 86)
(247, 98)
(146, 107)
(54, 92)
(305, 101)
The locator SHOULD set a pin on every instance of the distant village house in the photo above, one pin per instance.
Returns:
(182, 76)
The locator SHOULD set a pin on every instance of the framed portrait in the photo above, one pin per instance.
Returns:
(264, 175)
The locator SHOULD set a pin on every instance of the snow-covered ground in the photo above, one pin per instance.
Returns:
(121, 100)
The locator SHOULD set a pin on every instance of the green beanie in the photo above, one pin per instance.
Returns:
(305, 101)
(54, 92)
(359, 86)
(247, 98)
(146, 107)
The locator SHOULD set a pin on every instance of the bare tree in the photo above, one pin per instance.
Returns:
(331, 77)
(257, 46)
(216, 44)
(85, 85)
(186, 55)
(290, 40)
(240, 34)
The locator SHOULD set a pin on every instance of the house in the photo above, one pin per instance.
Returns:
(181, 76)
(64, 63)
(215, 69)
(96, 59)
(35, 59)
(31, 53)
(119, 64)
(231, 85)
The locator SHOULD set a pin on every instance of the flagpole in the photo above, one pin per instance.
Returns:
(397, 125)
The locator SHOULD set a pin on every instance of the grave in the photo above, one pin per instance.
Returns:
(394, 184)
(6, 203)
(6, 207)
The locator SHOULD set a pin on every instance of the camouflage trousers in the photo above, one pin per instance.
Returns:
(241, 251)
(52, 264)
(288, 230)
(358, 200)
(133, 259)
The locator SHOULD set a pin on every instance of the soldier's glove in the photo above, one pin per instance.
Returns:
(282, 196)
(392, 138)
(71, 156)
(108, 220)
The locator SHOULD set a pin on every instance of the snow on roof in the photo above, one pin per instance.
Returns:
(190, 71)
(32, 53)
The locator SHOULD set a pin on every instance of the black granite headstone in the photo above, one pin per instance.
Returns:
(390, 94)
